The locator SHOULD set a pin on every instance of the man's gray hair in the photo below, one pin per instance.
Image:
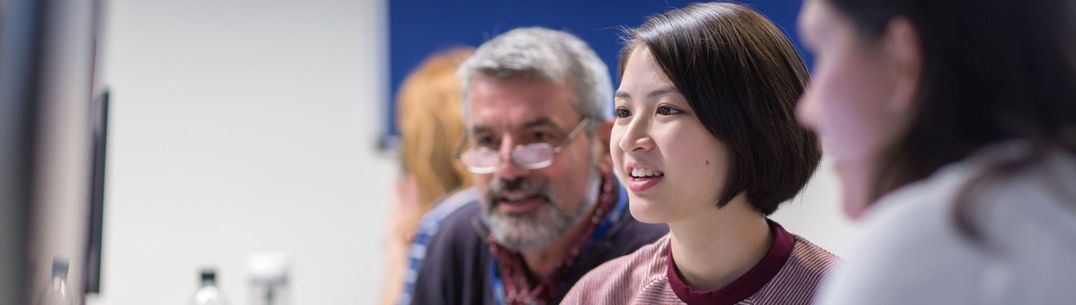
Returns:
(545, 54)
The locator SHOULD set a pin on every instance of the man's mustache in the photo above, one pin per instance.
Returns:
(520, 185)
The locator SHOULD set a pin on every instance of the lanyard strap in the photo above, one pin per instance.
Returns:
(496, 282)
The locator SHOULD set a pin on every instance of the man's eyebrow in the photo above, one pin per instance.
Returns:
(480, 129)
(539, 122)
(543, 121)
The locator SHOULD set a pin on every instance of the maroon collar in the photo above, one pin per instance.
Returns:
(747, 284)
(519, 287)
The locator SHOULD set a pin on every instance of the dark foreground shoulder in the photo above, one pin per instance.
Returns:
(453, 269)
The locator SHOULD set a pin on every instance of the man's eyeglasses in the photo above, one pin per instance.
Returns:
(484, 160)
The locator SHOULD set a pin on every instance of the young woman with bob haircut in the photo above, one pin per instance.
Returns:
(706, 140)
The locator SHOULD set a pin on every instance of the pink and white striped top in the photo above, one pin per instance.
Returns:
(788, 274)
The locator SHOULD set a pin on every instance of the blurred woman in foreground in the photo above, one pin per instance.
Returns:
(953, 129)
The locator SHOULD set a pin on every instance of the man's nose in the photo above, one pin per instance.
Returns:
(507, 169)
(513, 184)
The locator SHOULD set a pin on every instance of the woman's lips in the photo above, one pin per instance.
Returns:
(641, 184)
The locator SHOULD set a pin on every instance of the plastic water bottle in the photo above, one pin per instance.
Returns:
(208, 293)
(57, 293)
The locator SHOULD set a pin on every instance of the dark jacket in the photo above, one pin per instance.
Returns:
(456, 267)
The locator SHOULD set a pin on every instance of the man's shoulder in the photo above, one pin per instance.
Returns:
(458, 226)
(449, 204)
(454, 262)
(632, 234)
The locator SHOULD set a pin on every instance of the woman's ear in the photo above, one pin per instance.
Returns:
(903, 47)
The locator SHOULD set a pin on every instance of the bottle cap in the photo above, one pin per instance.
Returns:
(59, 267)
(209, 275)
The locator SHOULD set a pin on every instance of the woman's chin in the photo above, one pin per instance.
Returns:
(854, 183)
(647, 211)
(853, 202)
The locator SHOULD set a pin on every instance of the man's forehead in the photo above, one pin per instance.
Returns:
(509, 124)
(519, 103)
(521, 92)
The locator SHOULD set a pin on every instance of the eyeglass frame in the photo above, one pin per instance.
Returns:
(511, 158)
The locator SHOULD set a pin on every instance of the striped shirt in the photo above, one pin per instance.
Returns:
(788, 275)
(427, 227)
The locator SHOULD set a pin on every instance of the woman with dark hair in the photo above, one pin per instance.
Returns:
(706, 141)
(953, 129)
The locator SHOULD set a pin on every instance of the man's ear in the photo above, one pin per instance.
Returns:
(903, 47)
(602, 133)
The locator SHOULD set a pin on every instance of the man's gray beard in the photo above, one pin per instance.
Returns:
(541, 227)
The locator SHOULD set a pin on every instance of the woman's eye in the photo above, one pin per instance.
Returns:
(666, 110)
(622, 112)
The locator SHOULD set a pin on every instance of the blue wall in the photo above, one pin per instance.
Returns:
(418, 29)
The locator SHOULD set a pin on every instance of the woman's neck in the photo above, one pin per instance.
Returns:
(713, 249)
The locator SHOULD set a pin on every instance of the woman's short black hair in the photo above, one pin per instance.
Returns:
(992, 71)
(742, 78)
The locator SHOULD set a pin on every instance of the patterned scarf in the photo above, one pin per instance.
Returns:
(519, 289)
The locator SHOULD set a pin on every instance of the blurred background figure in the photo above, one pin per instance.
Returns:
(953, 128)
(430, 124)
